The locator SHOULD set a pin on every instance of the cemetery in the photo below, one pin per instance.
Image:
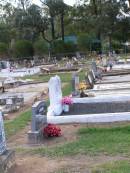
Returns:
(64, 86)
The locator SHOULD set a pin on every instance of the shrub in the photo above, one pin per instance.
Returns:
(23, 48)
(40, 47)
(3, 49)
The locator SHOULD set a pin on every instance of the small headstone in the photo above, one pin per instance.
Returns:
(94, 66)
(2, 136)
(75, 84)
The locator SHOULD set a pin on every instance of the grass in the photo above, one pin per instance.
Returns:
(114, 167)
(93, 141)
(65, 77)
(17, 124)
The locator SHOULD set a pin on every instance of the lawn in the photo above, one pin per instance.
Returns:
(114, 167)
(65, 77)
(93, 141)
(14, 126)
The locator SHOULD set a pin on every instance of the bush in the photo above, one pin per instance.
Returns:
(40, 47)
(85, 41)
(23, 48)
(3, 49)
(61, 47)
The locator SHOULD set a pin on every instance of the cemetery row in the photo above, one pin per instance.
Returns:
(102, 97)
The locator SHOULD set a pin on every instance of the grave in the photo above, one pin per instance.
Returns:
(111, 102)
(7, 157)
(39, 118)
(103, 108)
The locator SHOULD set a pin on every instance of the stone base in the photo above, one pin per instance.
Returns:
(34, 137)
(7, 161)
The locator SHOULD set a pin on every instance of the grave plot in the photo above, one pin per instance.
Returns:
(15, 98)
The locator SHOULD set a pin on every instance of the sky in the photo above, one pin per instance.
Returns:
(70, 2)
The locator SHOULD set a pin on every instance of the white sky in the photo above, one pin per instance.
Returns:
(70, 2)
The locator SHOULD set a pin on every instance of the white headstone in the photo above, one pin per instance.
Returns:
(55, 95)
(2, 135)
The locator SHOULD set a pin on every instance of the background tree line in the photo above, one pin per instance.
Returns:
(27, 29)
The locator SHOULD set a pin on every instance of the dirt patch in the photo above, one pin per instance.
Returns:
(76, 164)
(68, 135)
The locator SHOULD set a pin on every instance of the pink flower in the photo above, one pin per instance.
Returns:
(67, 100)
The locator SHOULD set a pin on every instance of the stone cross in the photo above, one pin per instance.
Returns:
(2, 136)
(55, 95)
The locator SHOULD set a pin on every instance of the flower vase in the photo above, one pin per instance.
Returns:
(66, 108)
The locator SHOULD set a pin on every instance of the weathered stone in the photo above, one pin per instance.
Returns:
(2, 136)
(7, 161)
(75, 84)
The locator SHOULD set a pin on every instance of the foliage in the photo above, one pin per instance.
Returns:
(3, 49)
(60, 46)
(51, 130)
(23, 48)
(40, 47)
(85, 41)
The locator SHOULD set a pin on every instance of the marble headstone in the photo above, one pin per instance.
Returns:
(55, 95)
(2, 136)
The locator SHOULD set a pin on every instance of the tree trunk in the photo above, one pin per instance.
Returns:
(110, 43)
(62, 26)
(52, 28)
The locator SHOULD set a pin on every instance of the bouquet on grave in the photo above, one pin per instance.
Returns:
(67, 100)
(51, 130)
(82, 86)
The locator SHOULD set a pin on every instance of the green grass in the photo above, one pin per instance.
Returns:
(93, 141)
(114, 167)
(65, 77)
(17, 124)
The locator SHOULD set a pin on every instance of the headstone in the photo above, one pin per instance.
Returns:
(39, 119)
(93, 74)
(94, 66)
(38, 110)
(55, 96)
(2, 136)
(75, 84)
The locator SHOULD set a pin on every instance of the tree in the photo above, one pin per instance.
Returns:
(40, 47)
(23, 48)
(85, 41)
(55, 8)
(3, 50)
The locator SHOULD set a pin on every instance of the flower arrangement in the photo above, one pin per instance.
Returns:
(82, 86)
(67, 100)
(51, 130)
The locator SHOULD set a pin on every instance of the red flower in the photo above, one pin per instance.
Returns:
(51, 130)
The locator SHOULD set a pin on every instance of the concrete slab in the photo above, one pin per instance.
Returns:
(121, 66)
(116, 79)
(90, 118)
(111, 86)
